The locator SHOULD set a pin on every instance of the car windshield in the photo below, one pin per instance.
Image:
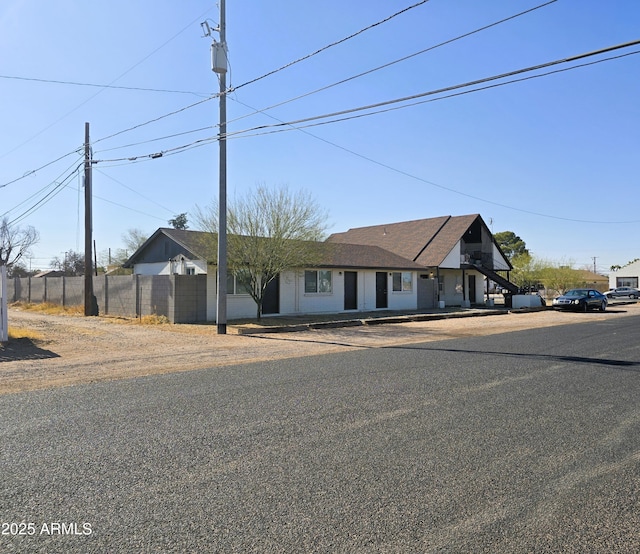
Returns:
(576, 292)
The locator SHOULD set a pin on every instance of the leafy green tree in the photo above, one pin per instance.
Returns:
(268, 231)
(511, 244)
(562, 277)
(179, 222)
(527, 270)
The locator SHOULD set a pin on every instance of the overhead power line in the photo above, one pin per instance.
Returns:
(467, 84)
(272, 72)
(133, 190)
(58, 187)
(394, 62)
(102, 86)
(34, 171)
(345, 39)
(294, 125)
(157, 119)
(460, 37)
(109, 85)
(431, 183)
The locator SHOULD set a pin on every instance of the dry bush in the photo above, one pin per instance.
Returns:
(49, 308)
(15, 333)
(154, 319)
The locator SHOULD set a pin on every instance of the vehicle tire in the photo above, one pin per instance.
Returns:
(633, 296)
(603, 306)
(585, 307)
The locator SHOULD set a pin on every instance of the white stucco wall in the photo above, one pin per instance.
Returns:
(158, 268)
(452, 290)
(632, 270)
(453, 283)
(453, 258)
(170, 268)
(499, 263)
(396, 300)
(198, 267)
(293, 299)
(239, 306)
(403, 300)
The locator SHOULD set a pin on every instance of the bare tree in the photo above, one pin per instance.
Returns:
(269, 230)
(134, 239)
(71, 265)
(15, 242)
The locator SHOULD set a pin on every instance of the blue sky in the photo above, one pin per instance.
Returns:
(553, 159)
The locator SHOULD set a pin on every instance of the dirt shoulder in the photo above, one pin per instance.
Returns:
(68, 350)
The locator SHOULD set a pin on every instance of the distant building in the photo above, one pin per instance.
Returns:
(627, 276)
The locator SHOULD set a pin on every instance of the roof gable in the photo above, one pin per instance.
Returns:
(424, 241)
(449, 235)
(404, 245)
(166, 244)
(406, 239)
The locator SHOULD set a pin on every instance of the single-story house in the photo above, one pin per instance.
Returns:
(49, 273)
(594, 280)
(401, 266)
(626, 276)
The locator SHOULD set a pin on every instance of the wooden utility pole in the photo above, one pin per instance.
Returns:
(90, 304)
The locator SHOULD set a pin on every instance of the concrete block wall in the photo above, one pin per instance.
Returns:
(190, 301)
(156, 295)
(181, 298)
(19, 290)
(117, 295)
(55, 290)
(73, 290)
(38, 291)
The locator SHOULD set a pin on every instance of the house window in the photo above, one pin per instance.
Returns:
(317, 281)
(402, 281)
(627, 282)
(191, 271)
(238, 283)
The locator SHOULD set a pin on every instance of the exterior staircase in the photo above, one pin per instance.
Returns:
(495, 277)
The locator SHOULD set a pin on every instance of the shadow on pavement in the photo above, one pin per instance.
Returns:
(24, 349)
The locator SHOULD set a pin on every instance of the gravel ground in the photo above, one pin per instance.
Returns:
(73, 349)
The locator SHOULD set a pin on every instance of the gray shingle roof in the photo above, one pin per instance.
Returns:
(424, 241)
(409, 245)
(194, 241)
(330, 255)
(357, 256)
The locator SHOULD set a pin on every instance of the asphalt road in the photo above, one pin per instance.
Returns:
(522, 442)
